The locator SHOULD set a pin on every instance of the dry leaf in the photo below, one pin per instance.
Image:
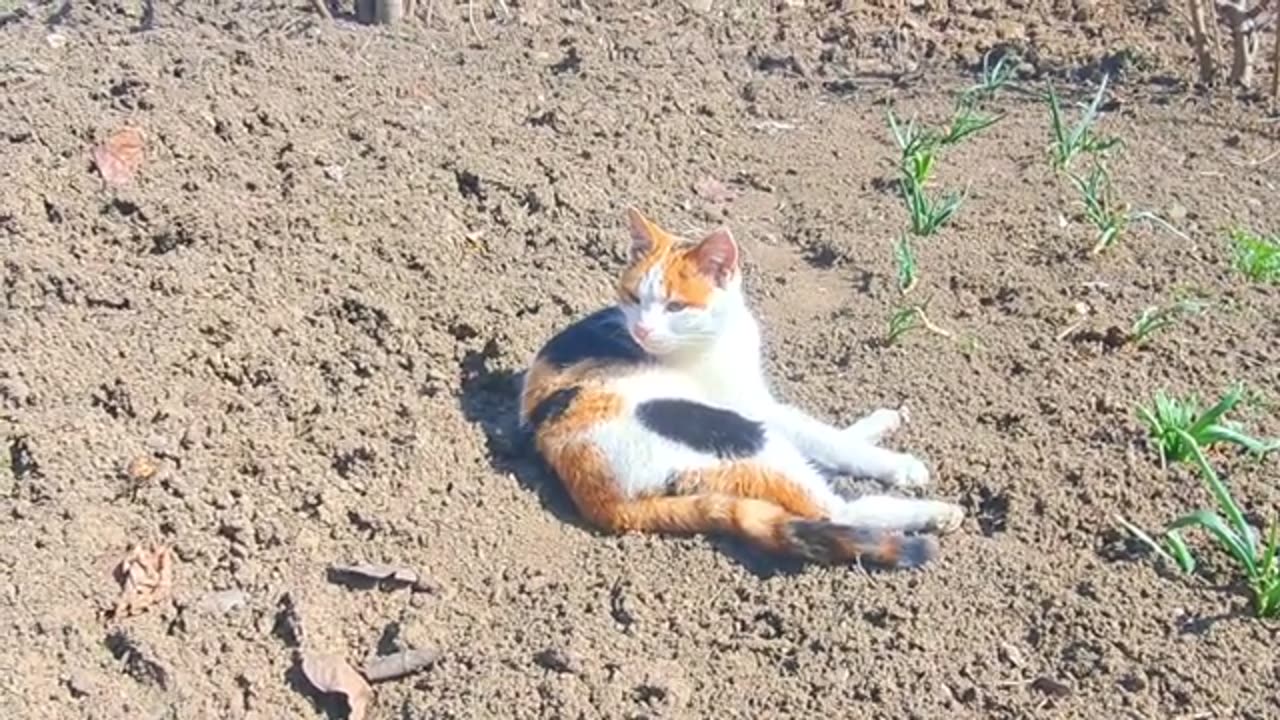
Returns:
(713, 190)
(147, 575)
(331, 674)
(119, 156)
(390, 667)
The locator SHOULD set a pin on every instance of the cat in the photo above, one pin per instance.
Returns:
(656, 416)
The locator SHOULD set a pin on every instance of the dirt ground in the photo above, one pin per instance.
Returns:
(310, 307)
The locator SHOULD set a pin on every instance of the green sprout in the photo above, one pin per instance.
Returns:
(1169, 420)
(918, 147)
(993, 79)
(966, 123)
(905, 259)
(928, 215)
(1159, 317)
(1257, 257)
(1234, 534)
(911, 317)
(1067, 144)
(1110, 217)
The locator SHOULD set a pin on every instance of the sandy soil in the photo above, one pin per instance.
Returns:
(310, 307)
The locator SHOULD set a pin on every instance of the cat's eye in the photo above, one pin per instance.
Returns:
(629, 297)
(675, 306)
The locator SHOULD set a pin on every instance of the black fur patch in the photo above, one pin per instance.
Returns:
(724, 433)
(601, 335)
(552, 407)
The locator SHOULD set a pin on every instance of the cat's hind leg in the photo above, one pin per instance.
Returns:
(887, 512)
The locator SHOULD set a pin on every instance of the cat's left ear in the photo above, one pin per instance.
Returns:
(717, 256)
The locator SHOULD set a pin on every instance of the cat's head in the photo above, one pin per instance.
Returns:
(678, 296)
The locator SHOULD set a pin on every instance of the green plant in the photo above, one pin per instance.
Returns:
(905, 260)
(927, 214)
(1067, 144)
(1170, 420)
(918, 146)
(911, 317)
(1108, 216)
(993, 79)
(1234, 534)
(1257, 257)
(1158, 317)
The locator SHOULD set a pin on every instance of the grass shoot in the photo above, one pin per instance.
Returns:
(1170, 421)
(927, 214)
(1080, 138)
(1109, 217)
(910, 318)
(905, 261)
(1159, 317)
(1257, 257)
(994, 77)
(1256, 561)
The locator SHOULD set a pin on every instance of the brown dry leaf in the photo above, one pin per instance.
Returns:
(147, 574)
(119, 156)
(331, 674)
(713, 190)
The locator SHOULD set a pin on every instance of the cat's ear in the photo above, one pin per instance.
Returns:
(645, 236)
(717, 256)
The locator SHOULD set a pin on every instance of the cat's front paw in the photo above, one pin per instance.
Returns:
(947, 518)
(881, 422)
(910, 473)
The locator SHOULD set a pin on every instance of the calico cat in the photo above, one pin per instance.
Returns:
(656, 416)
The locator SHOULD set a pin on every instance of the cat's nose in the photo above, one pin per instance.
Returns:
(641, 332)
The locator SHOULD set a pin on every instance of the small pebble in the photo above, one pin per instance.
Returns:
(221, 602)
(141, 468)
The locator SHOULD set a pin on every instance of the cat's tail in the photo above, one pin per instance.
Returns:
(772, 528)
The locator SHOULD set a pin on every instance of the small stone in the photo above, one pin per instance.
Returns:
(556, 660)
(80, 684)
(141, 468)
(1011, 655)
(221, 602)
(1177, 212)
(335, 173)
(1051, 686)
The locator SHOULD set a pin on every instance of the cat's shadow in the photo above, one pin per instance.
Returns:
(490, 398)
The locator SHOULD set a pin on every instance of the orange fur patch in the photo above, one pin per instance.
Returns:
(685, 282)
(679, 266)
(587, 479)
(591, 407)
(542, 380)
(750, 480)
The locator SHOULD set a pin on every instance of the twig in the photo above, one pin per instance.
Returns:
(322, 7)
(471, 18)
(1275, 68)
(1200, 41)
(928, 324)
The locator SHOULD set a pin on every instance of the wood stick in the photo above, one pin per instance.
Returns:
(388, 12)
(322, 7)
(1275, 68)
(1200, 42)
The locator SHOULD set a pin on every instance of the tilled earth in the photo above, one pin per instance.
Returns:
(310, 308)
